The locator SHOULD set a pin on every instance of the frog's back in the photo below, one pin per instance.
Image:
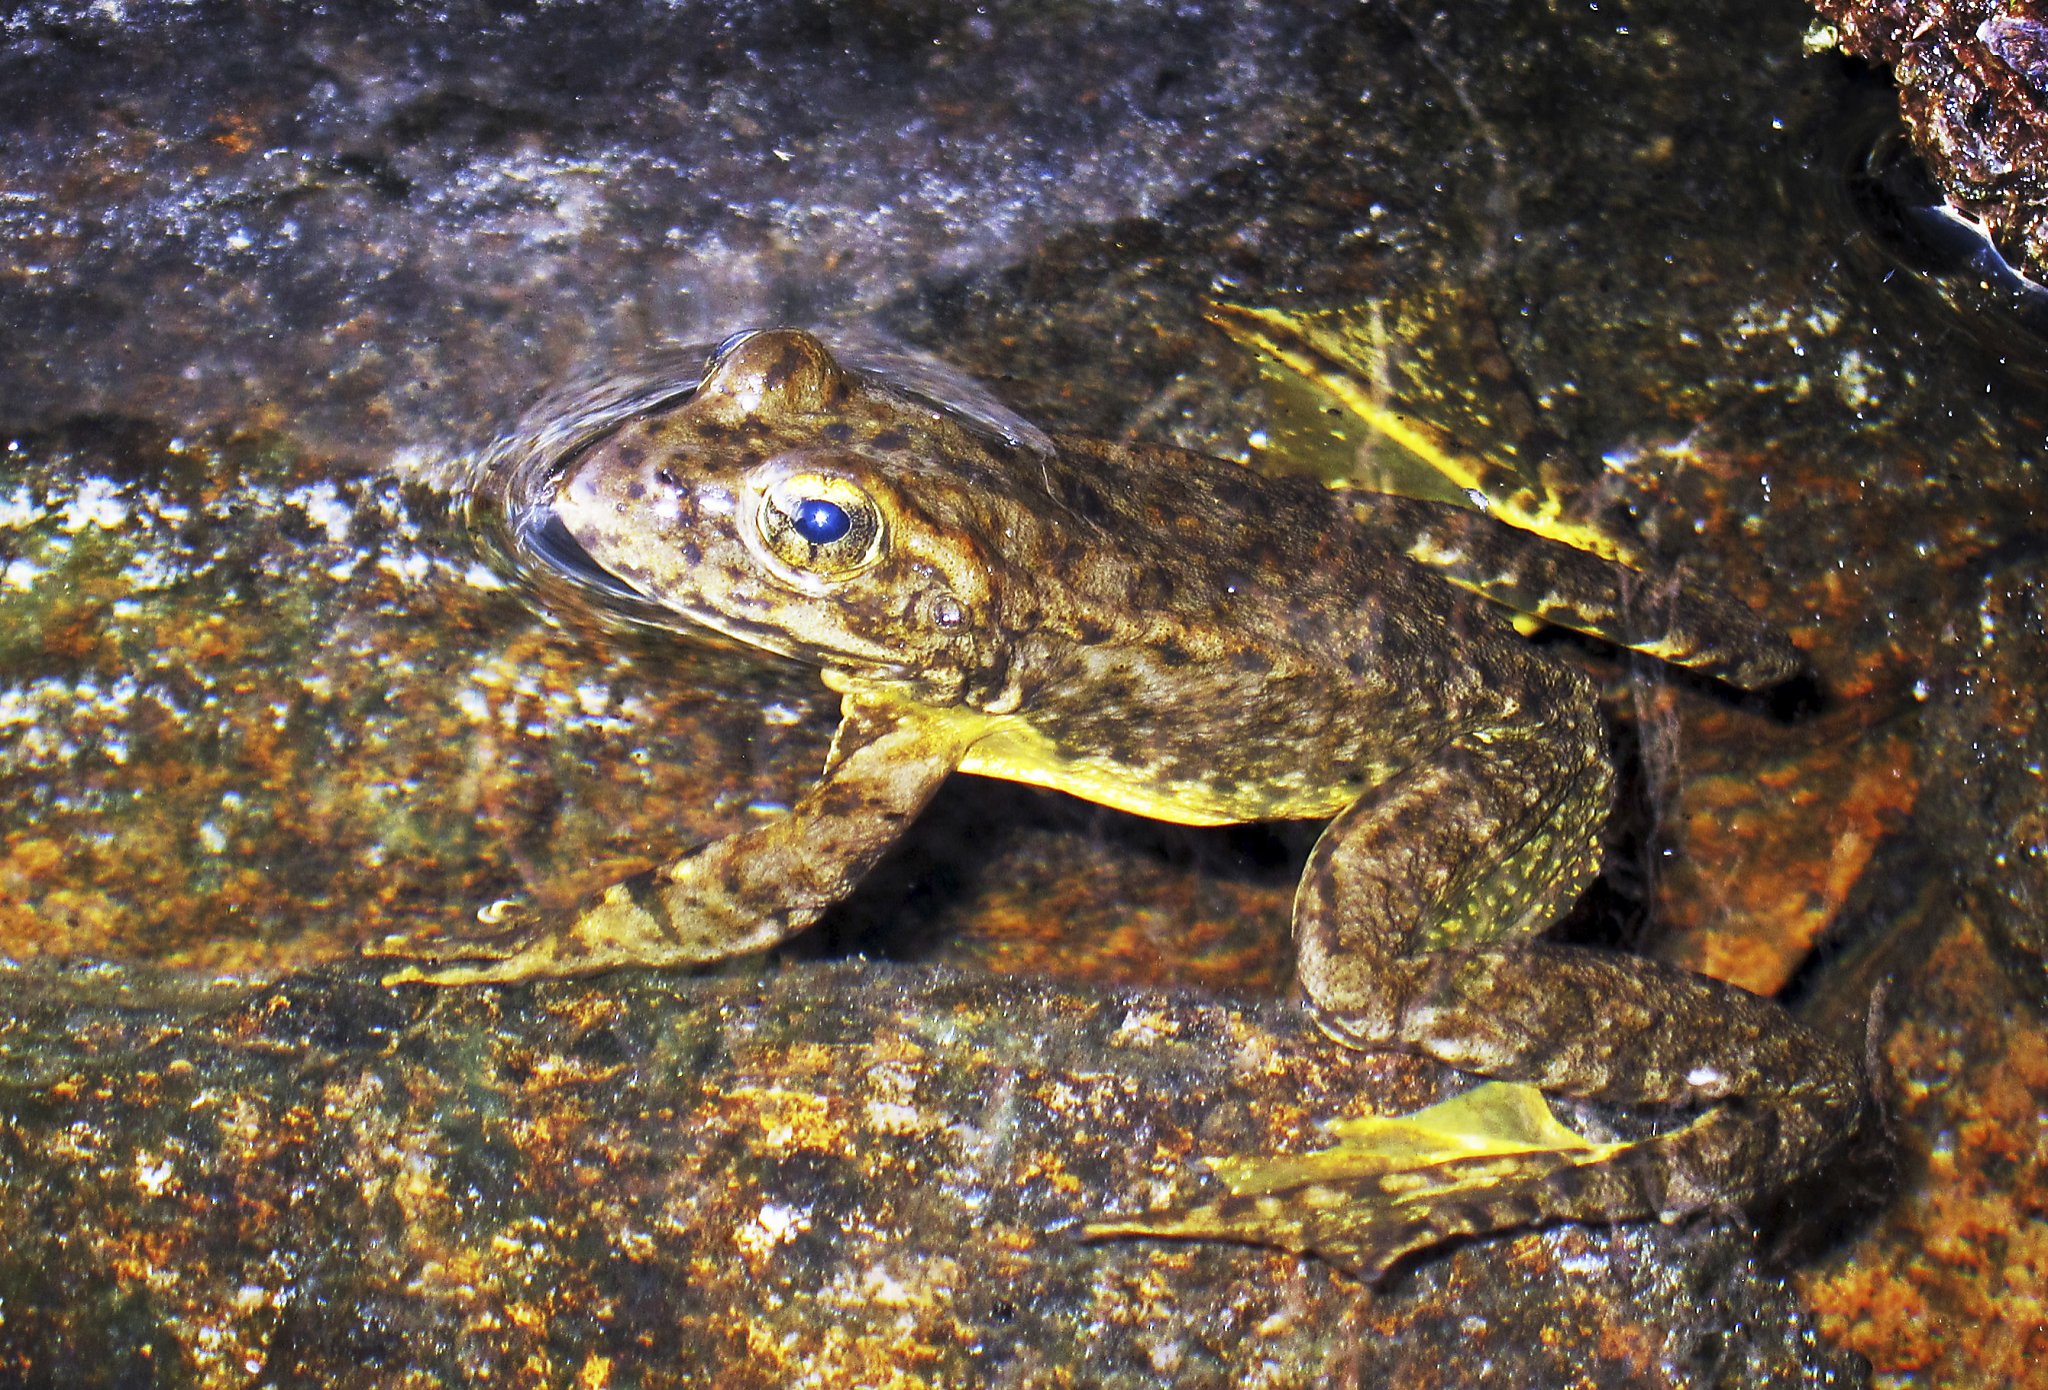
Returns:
(1206, 643)
(1224, 566)
(1182, 526)
(1198, 642)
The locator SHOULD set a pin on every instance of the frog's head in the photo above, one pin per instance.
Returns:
(793, 506)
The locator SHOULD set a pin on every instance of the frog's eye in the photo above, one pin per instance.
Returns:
(820, 524)
(821, 521)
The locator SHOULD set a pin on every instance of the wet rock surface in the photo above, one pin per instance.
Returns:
(1944, 1286)
(1986, 748)
(274, 282)
(1973, 88)
(389, 228)
(840, 1176)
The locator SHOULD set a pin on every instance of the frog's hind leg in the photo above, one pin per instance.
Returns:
(1414, 921)
(1682, 620)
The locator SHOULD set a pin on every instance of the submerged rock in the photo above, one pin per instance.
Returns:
(843, 1175)
(1986, 750)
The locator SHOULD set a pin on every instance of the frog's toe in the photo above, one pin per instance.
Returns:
(1354, 1227)
(471, 972)
(529, 955)
(614, 931)
(515, 952)
(423, 973)
(1391, 1185)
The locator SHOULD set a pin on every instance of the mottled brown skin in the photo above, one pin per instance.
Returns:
(1189, 640)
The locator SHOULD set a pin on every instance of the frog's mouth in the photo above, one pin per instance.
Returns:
(554, 562)
(551, 556)
(544, 537)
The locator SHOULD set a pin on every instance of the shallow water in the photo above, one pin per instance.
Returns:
(276, 292)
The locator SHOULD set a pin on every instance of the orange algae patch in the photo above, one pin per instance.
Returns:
(1952, 1282)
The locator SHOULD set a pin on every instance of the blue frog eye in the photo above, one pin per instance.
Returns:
(821, 522)
(823, 525)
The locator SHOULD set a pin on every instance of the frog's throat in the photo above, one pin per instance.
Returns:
(1008, 748)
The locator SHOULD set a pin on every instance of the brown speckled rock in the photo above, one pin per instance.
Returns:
(840, 1176)
(1973, 86)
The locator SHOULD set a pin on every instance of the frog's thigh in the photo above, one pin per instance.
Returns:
(1415, 917)
(1487, 842)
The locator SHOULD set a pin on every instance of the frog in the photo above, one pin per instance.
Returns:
(1185, 638)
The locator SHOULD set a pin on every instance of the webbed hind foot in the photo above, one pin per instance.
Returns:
(1489, 1159)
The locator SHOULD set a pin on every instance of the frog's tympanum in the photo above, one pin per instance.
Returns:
(1186, 639)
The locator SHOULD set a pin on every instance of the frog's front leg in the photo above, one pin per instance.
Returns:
(743, 893)
(1414, 920)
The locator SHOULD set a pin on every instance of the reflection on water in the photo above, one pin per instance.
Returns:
(1951, 256)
